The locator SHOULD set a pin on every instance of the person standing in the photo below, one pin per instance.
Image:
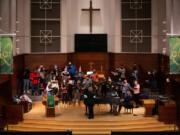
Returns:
(154, 81)
(94, 77)
(34, 77)
(136, 91)
(64, 95)
(125, 88)
(80, 75)
(90, 102)
(87, 82)
(41, 71)
(71, 69)
(122, 72)
(65, 75)
(103, 87)
(76, 92)
(56, 71)
(26, 80)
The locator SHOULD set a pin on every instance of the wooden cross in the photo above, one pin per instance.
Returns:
(91, 9)
(91, 65)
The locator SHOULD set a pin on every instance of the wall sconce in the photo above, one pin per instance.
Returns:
(17, 51)
(164, 51)
(164, 22)
(164, 40)
(164, 31)
(17, 40)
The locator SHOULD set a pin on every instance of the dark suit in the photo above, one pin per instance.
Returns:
(90, 104)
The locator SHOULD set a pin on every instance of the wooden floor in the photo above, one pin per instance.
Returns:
(72, 118)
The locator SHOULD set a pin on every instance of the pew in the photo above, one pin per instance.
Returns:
(14, 113)
(27, 106)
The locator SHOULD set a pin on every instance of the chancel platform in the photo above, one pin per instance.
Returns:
(73, 118)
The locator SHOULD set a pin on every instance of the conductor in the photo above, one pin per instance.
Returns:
(90, 102)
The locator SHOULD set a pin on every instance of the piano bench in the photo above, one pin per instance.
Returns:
(129, 107)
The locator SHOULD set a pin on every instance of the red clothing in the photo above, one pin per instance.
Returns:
(95, 78)
(64, 89)
(34, 78)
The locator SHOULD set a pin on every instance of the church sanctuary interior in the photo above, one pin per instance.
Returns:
(89, 67)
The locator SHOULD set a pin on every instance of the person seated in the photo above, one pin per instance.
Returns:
(112, 93)
(126, 102)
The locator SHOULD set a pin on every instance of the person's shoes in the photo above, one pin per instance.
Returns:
(90, 117)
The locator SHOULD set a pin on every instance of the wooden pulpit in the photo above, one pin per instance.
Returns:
(50, 111)
(149, 104)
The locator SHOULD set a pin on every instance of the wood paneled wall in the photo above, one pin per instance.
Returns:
(99, 61)
(16, 78)
(33, 61)
(146, 62)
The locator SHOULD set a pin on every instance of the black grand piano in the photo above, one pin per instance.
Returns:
(114, 101)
